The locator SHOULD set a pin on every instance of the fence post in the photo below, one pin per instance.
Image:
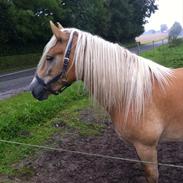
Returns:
(153, 45)
(138, 48)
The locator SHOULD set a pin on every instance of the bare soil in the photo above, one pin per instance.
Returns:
(62, 167)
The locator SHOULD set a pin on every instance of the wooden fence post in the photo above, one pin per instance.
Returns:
(138, 46)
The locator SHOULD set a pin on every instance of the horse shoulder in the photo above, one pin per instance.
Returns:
(146, 130)
(170, 105)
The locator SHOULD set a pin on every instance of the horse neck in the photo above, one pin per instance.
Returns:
(115, 77)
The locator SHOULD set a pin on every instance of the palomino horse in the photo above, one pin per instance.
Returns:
(144, 99)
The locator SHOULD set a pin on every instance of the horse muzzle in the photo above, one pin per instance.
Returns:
(38, 91)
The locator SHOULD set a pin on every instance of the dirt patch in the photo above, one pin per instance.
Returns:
(61, 167)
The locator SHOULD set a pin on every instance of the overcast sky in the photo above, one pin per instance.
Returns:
(168, 12)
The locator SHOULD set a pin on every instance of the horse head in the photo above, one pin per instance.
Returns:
(56, 68)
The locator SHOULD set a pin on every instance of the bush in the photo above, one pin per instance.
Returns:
(20, 49)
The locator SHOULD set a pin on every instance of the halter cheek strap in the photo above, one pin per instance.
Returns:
(47, 86)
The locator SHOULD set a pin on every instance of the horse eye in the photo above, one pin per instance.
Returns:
(49, 58)
(60, 40)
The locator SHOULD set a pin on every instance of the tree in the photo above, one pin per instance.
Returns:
(116, 21)
(27, 21)
(7, 32)
(163, 28)
(127, 18)
(151, 31)
(87, 15)
(175, 30)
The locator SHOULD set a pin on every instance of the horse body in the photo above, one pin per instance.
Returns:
(162, 119)
(171, 107)
(147, 110)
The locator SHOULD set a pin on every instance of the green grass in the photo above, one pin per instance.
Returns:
(18, 62)
(129, 44)
(24, 119)
(167, 55)
(70, 118)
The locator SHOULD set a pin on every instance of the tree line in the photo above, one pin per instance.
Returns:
(26, 22)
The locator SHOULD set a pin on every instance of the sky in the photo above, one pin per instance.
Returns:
(168, 12)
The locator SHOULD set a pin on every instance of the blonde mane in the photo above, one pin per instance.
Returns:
(114, 76)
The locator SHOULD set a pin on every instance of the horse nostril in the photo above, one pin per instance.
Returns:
(38, 89)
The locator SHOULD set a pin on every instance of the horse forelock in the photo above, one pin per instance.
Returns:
(116, 77)
(48, 46)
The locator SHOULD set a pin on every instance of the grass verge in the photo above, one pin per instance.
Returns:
(24, 119)
(18, 62)
(169, 56)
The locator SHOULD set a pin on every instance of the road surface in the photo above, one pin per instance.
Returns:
(13, 83)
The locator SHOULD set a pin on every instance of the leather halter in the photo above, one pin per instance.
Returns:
(47, 86)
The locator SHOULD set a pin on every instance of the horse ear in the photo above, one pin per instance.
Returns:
(59, 25)
(55, 30)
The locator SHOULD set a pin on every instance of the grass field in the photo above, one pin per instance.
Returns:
(18, 62)
(149, 38)
(24, 119)
(169, 56)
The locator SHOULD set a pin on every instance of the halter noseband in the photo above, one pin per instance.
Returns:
(47, 86)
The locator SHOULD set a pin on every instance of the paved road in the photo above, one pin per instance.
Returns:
(147, 46)
(13, 83)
